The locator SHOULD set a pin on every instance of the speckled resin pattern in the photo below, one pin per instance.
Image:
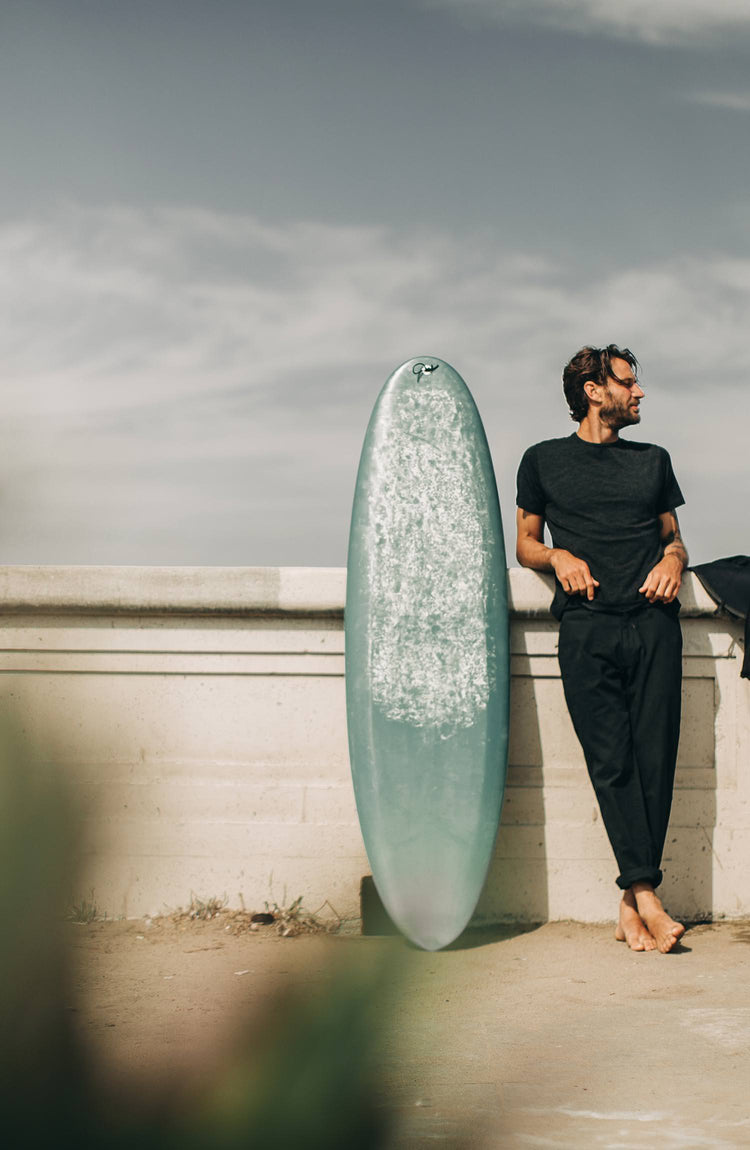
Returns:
(427, 651)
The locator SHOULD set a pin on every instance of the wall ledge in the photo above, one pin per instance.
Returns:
(244, 591)
(530, 595)
(239, 591)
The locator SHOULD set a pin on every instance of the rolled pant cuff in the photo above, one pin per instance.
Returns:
(652, 875)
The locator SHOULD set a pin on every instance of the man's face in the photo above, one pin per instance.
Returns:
(621, 397)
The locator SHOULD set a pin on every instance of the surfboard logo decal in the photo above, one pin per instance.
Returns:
(428, 569)
(421, 369)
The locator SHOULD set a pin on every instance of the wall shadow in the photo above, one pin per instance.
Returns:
(516, 888)
(689, 852)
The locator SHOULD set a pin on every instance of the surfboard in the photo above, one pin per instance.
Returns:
(426, 642)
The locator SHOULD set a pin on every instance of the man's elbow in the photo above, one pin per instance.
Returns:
(522, 554)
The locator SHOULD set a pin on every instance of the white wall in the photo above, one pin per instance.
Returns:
(199, 715)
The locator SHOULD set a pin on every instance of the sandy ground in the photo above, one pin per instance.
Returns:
(549, 1037)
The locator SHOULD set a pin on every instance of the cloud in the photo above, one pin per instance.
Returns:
(732, 101)
(190, 386)
(670, 23)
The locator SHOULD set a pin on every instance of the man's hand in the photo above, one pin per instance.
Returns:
(664, 580)
(573, 573)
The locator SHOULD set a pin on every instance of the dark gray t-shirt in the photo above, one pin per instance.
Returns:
(601, 502)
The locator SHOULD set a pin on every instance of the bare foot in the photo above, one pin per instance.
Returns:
(631, 927)
(666, 932)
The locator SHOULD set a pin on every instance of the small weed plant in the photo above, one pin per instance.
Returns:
(84, 911)
(205, 909)
(295, 919)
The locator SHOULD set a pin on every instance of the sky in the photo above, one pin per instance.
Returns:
(224, 224)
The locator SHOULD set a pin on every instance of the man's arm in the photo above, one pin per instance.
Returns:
(531, 551)
(663, 581)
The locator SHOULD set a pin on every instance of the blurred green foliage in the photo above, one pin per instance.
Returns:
(303, 1076)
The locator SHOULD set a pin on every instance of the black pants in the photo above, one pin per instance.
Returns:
(622, 680)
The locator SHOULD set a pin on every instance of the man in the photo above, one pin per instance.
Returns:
(618, 559)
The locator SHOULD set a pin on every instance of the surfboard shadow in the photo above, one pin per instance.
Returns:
(478, 936)
(377, 923)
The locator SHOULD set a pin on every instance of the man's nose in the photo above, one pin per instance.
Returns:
(638, 391)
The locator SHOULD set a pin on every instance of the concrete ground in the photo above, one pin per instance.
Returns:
(555, 1036)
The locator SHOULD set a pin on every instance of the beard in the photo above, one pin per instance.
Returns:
(615, 413)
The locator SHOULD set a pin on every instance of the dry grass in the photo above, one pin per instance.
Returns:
(288, 920)
(295, 919)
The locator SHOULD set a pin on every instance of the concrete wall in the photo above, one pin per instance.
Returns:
(199, 715)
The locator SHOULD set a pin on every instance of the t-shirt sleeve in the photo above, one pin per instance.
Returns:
(529, 492)
(671, 496)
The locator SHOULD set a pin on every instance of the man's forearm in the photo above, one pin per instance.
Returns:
(676, 549)
(663, 581)
(572, 573)
(532, 553)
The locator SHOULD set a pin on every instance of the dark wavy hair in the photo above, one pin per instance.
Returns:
(592, 364)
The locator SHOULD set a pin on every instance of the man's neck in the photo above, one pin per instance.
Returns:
(592, 430)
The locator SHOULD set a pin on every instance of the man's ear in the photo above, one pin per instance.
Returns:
(593, 391)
